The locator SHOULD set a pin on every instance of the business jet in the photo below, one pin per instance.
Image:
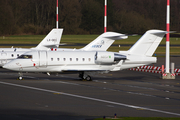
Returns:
(52, 40)
(87, 63)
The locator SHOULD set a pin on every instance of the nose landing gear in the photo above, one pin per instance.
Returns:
(20, 76)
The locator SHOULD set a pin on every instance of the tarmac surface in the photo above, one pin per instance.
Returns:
(65, 97)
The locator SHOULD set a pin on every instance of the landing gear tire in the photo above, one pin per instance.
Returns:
(84, 76)
(88, 78)
(20, 78)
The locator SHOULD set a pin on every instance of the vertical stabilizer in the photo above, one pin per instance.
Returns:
(104, 41)
(51, 40)
(148, 43)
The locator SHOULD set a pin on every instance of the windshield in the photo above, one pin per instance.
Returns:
(25, 57)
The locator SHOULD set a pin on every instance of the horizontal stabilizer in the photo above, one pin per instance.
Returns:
(117, 37)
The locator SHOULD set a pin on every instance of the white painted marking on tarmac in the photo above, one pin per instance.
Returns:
(89, 98)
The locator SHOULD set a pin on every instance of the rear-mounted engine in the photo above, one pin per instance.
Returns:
(108, 58)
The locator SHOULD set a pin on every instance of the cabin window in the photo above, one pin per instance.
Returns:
(12, 55)
(58, 59)
(76, 59)
(83, 59)
(51, 59)
(17, 55)
(89, 59)
(70, 59)
(64, 59)
(25, 57)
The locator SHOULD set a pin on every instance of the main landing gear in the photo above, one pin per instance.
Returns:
(20, 76)
(85, 76)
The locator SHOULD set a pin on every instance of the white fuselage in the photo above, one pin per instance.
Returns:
(54, 61)
(68, 61)
(8, 54)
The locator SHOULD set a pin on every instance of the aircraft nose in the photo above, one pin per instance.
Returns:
(6, 66)
(12, 65)
(9, 66)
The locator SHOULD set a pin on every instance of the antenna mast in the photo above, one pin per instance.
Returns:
(105, 16)
(167, 36)
(57, 15)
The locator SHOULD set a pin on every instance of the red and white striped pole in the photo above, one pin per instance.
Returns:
(57, 15)
(105, 16)
(167, 36)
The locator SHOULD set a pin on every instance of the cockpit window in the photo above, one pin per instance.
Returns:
(25, 57)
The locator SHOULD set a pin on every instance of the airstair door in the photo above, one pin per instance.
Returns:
(42, 59)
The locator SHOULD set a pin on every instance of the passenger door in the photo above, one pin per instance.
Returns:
(42, 59)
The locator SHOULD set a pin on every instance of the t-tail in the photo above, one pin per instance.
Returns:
(148, 43)
(52, 40)
(104, 41)
(141, 52)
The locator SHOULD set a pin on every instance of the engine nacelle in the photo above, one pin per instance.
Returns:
(108, 58)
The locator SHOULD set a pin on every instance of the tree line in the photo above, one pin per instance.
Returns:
(86, 16)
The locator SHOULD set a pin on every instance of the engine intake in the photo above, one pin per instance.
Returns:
(108, 58)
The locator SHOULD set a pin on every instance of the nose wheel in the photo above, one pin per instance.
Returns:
(20, 76)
